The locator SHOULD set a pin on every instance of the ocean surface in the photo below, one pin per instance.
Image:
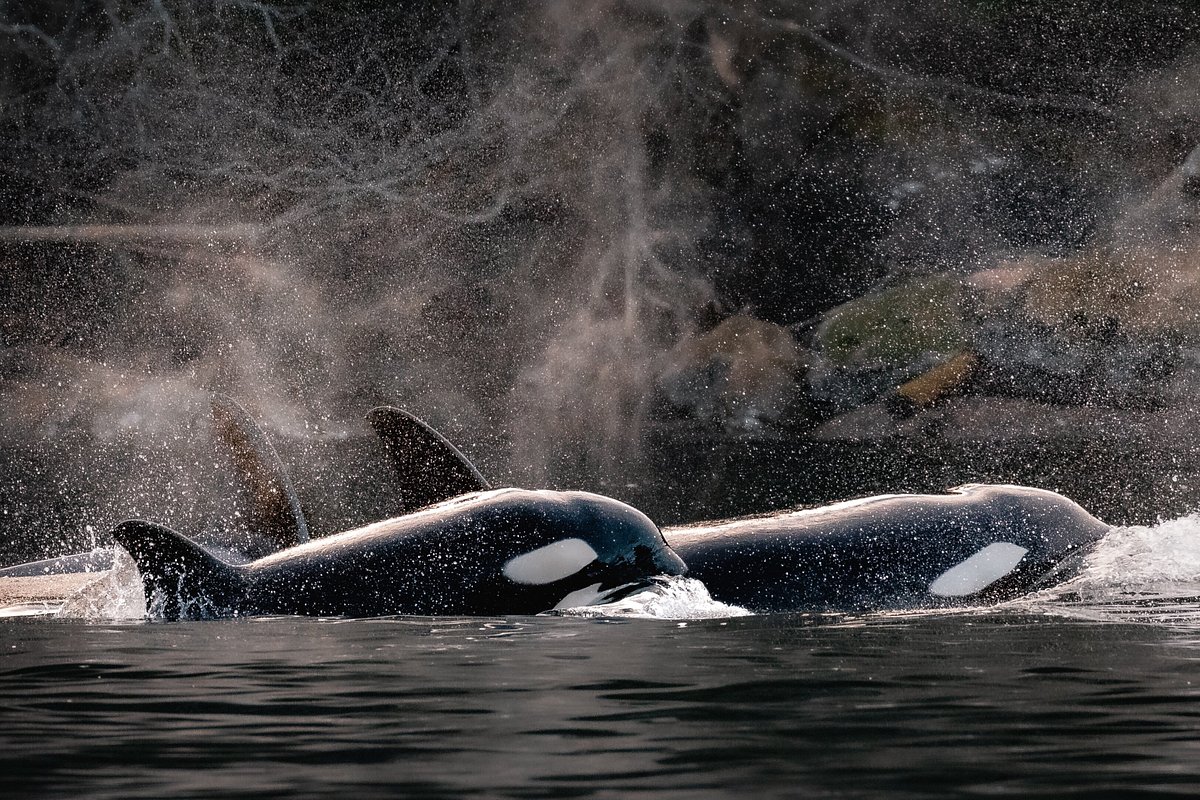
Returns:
(1092, 690)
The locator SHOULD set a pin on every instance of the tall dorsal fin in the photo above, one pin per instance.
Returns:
(430, 469)
(181, 579)
(271, 507)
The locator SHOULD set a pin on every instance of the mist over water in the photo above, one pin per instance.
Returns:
(506, 218)
(319, 210)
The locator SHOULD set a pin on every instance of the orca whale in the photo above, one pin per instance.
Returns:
(428, 467)
(978, 544)
(506, 551)
(503, 551)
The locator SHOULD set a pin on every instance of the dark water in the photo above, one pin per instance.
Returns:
(969, 705)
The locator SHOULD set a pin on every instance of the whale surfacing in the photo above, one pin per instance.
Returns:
(508, 551)
(977, 544)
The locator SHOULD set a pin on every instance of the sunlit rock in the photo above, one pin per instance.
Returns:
(870, 345)
(740, 374)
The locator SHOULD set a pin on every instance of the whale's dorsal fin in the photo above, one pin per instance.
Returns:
(430, 469)
(181, 579)
(272, 509)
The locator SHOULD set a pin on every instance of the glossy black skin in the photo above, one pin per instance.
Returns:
(878, 553)
(883, 553)
(445, 560)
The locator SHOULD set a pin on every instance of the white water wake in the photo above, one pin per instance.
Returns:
(672, 597)
(116, 594)
(1140, 573)
(105, 594)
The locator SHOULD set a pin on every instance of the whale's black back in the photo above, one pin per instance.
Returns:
(448, 559)
(890, 551)
(508, 551)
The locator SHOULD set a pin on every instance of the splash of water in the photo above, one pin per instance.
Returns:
(672, 597)
(107, 594)
(117, 594)
(1167, 553)
(1147, 574)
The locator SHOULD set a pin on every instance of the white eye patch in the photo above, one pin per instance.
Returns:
(978, 571)
(550, 563)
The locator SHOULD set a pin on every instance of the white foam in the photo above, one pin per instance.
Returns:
(116, 594)
(1144, 574)
(675, 598)
(1168, 552)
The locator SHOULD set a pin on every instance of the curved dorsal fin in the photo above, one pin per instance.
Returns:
(429, 467)
(180, 578)
(272, 509)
